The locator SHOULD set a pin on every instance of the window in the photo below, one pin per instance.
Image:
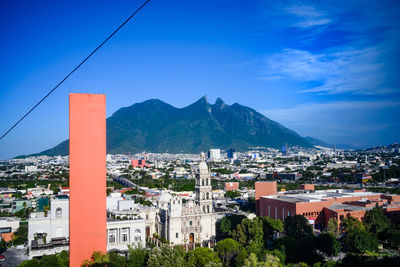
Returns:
(190, 223)
(138, 238)
(206, 181)
(125, 235)
(137, 231)
(58, 212)
(208, 208)
(208, 195)
(289, 213)
(177, 235)
(204, 209)
(112, 234)
(202, 181)
(276, 212)
(341, 217)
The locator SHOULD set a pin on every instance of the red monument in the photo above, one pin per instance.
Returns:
(87, 178)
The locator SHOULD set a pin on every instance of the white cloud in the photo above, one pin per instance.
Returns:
(307, 16)
(338, 118)
(357, 71)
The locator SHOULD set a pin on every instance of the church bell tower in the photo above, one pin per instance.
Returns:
(203, 187)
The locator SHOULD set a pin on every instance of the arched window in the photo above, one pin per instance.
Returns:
(137, 231)
(58, 212)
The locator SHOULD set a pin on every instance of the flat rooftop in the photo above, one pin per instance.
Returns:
(346, 207)
(299, 196)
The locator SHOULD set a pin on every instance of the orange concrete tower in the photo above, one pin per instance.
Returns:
(87, 178)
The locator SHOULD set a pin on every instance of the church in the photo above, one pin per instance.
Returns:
(191, 222)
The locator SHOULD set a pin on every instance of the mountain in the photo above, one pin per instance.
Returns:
(155, 126)
(318, 142)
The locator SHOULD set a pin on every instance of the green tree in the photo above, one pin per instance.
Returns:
(63, 258)
(49, 261)
(232, 194)
(21, 235)
(224, 227)
(252, 261)
(30, 263)
(375, 221)
(98, 259)
(166, 256)
(280, 253)
(328, 245)
(3, 246)
(351, 224)
(202, 256)
(271, 227)
(359, 241)
(297, 226)
(332, 227)
(227, 250)
(392, 235)
(227, 224)
(249, 234)
(117, 260)
(137, 257)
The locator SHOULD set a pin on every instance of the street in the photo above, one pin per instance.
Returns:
(14, 257)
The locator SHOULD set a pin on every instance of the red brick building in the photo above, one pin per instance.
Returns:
(138, 163)
(309, 187)
(264, 189)
(320, 206)
(231, 186)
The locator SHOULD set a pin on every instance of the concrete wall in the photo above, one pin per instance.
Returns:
(87, 148)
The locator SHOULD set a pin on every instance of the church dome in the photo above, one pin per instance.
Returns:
(164, 197)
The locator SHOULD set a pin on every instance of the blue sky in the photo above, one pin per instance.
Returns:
(327, 69)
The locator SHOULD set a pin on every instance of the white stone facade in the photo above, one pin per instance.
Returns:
(120, 234)
(191, 222)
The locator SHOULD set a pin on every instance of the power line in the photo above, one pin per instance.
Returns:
(77, 67)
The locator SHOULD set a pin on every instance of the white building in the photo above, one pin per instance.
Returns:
(120, 234)
(49, 233)
(8, 225)
(31, 168)
(192, 222)
(112, 201)
(214, 154)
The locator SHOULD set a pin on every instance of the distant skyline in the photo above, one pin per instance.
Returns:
(326, 69)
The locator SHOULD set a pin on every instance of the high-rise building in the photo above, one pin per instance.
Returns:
(214, 154)
(229, 153)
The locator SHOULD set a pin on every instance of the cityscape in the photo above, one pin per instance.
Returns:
(192, 201)
(230, 134)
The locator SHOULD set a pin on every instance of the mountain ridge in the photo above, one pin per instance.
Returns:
(156, 126)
